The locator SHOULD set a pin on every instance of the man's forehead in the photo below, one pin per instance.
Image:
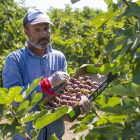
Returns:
(40, 24)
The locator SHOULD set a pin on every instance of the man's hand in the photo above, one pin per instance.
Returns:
(58, 78)
(86, 105)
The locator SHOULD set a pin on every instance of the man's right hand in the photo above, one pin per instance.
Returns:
(58, 78)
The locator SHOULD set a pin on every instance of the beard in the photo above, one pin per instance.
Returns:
(36, 43)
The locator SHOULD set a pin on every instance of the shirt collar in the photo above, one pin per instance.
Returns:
(48, 49)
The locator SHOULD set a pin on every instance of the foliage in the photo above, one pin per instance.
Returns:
(19, 116)
(116, 112)
(89, 36)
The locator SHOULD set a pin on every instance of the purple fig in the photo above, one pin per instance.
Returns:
(59, 94)
(59, 105)
(86, 77)
(73, 80)
(64, 102)
(77, 90)
(80, 78)
(86, 86)
(95, 83)
(70, 90)
(88, 82)
(92, 90)
(68, 98)
(74, 86)
(67, 87)
(78, 82)
(62, 90)
(63, 97)
(74, 103)
(69, 102)
(78, 99)
(73, 98)
(81, 86)
(70, 83)
(54, 104)
(90, 87)
(96, 86)
(78, 95)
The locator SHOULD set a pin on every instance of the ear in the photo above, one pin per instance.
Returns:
(26, 32)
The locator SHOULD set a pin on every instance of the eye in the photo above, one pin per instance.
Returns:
(46, 28)
(37, 30)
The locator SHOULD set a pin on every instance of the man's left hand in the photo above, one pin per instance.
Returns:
(86, 105)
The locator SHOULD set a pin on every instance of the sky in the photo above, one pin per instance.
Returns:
(46, 4)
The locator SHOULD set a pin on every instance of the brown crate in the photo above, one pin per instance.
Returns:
(94, 76)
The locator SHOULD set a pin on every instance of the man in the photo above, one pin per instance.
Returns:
(38, 59)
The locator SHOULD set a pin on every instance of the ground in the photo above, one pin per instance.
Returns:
(68, 133)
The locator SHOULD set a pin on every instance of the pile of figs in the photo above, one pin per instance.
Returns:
(72, 93)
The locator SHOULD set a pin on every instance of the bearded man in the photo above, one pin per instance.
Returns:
(38, 59)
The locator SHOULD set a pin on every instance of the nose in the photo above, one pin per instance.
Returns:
(45, 33)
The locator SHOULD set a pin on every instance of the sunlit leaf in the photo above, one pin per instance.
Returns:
(80, 128)
(53, 137)
(43, 120)
(102, 18)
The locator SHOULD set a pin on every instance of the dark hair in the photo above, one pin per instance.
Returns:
(26, 26)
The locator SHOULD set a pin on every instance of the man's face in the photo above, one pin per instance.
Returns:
(39, 35)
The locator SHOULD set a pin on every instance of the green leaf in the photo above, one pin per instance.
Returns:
(1, 111)
(132, 90)
(13, 129)
(122, 42)
(34, 100)
(133, 10)
(102, 121)
(136, 54)
(108, 2)
(53, 137)
(31, 88)
(14, 94)
(119, 110)
(74, 126)
(80, 128)
(128, 102)
(111, 102)
(90, 119)
(102, 18)
(22, 108)
(74, 1)
(136, 42)
(129, 132)
(108, 131)
(43, 120)
(27, 117)
(106, 68)
(136, 125)
(113, 118)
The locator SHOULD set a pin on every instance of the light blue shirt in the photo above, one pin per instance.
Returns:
(22, 67)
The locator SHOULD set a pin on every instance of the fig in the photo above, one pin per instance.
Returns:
(67, 87)
(80, 78)
(81, 85)
(86, 77)
(70, 90)
(74, 103)
(73, 80)
(74, 86)
(77, 90)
